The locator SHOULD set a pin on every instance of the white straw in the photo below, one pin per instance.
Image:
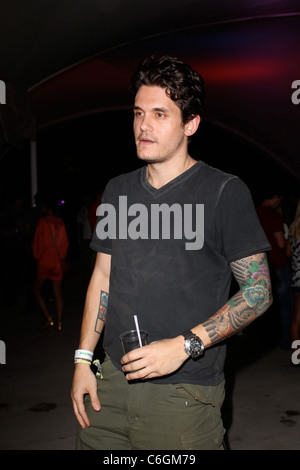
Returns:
(137, 329)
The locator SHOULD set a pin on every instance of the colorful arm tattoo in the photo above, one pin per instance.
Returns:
(101, 317)
(253, 298)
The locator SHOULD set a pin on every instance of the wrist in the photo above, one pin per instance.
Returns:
(180, 340)
(193, 345)
(83, 356)
(83, 365)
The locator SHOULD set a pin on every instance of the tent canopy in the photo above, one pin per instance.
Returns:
(75, 58)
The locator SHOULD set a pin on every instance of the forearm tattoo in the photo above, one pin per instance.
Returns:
(101, 317)
(253, 298)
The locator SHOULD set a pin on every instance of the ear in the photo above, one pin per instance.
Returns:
(192, 126)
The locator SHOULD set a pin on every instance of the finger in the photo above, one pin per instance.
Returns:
(134, 365)
(134, 354)
(140, 374)
(80, 413)
(78, 417)
(128, 358)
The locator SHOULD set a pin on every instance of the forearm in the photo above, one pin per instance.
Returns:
(95, 309)
(93, 319)
(253, 298)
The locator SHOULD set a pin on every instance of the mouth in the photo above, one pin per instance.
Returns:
(145, 141)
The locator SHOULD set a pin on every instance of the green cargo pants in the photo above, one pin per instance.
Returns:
(151, 416)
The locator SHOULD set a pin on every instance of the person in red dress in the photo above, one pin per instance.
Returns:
(49, 247)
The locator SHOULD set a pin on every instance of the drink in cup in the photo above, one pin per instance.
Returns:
(132, 340)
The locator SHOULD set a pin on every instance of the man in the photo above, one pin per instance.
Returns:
(173, 271)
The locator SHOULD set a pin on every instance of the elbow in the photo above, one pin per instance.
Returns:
(263, 304)
(270, 300)
(267, 304)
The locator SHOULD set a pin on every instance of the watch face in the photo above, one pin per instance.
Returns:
(194, 347)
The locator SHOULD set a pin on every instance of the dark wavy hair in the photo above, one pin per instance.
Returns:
(182, 84)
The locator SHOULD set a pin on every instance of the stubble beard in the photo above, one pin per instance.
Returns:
(152, 160)
(159, 158)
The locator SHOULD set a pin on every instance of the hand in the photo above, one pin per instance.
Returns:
(84, 382)
(155, 360)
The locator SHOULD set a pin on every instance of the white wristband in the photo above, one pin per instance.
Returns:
(83, 354)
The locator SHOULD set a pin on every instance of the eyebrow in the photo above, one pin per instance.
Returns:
(161, 109)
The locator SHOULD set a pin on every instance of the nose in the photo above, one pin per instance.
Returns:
(146, 123)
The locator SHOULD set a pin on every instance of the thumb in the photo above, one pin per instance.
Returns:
(95, 401)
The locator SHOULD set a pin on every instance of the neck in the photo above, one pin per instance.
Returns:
(159, 174)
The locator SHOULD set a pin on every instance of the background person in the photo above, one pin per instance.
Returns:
(294, 238)
(49, 248)
(272, 222)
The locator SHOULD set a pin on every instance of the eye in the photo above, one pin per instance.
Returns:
(138, 113)
(160, 115)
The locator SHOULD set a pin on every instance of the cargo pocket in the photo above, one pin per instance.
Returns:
(203, 427)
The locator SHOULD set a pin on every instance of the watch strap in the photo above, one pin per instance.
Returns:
(188, 334)
(193, 344)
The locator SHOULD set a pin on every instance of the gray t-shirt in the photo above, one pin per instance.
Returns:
(171, 248)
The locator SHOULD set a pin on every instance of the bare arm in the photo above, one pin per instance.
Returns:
(94, 313)
(94, 317)
(253, 298)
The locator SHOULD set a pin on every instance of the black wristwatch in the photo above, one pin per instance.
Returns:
(193, 345)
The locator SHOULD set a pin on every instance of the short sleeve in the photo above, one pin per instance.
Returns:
(103, 245)
(238, 229)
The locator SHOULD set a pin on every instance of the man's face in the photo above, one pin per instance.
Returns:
(158, 129)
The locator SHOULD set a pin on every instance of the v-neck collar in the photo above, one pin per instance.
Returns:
(156, 192)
